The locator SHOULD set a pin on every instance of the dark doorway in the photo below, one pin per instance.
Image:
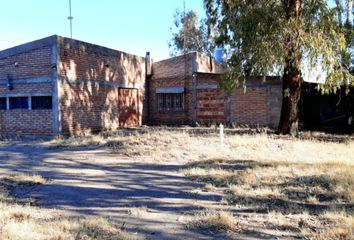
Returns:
(329, 112)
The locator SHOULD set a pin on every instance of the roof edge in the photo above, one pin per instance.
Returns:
(94, 47)
(26, 47)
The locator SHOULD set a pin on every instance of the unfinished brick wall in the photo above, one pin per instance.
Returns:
(179, 117)
(29, 74)
(260, 104)
(90, 77)
(30, 88)
(174, 67)
(250, 107)
(211, 106)
(274, 101)
(178, 72)
(26, 121)
(34, 63)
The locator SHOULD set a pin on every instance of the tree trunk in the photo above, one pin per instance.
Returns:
(289, 117)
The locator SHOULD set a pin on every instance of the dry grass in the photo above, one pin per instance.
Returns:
(299, 182)
(9, 183)
(20, 220)
(76, 141)
(138, 211)
(342, 227)
(162, 144)
(214, 220)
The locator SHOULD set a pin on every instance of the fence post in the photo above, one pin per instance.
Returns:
(221, 133)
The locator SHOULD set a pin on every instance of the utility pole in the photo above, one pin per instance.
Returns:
(71, 20)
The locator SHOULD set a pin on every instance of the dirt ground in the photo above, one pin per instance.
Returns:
(150, 199)
(167, 184)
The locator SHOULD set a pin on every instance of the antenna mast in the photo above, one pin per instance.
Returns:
(71, 20)
(184, 26)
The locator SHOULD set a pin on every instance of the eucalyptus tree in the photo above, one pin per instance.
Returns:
(189, 34)
(277, 37)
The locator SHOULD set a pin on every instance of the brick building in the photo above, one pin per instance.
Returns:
(185, 90)
(61, 85)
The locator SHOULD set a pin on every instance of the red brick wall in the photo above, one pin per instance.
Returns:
(86, 108)
(31, 64)
(260, 105)
(156, 117)
(173, 67)
(210, 106)
(35, 63)
(26, 121)
(90, 76)
(210, 101)
(250, 107)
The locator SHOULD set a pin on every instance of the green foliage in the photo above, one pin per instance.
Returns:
(230, 80)
(191, 34)
(260, 35)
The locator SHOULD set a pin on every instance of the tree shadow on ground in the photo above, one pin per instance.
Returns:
(296, 190)
(96, 182)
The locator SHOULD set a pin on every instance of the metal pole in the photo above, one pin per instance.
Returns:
(184, 27)
(70, 19)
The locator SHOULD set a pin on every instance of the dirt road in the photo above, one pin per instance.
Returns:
(150, 199)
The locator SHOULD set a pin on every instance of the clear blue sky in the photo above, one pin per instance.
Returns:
(133, 26)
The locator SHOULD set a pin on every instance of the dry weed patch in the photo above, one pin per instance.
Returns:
(76, 141)
(212, 219)
(20, 220)
(298, 179)
(342, 227)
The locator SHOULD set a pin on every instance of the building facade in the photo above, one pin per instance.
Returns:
(185, 90)
(60, 85)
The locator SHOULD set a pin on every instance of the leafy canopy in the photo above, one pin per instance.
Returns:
(191, 34)
(258, 36)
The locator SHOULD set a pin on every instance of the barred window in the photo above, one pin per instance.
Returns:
(2, 103)
(170, 102)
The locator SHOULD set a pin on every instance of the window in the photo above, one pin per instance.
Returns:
(170, 102)
(2, 103)
(42, 102)
(18, 102)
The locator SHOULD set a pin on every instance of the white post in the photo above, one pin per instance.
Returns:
(221, 129)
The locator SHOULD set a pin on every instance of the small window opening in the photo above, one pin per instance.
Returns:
(2, 103)
(18, 102)
(42, 102)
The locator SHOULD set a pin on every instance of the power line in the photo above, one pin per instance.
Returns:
(71, 20)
